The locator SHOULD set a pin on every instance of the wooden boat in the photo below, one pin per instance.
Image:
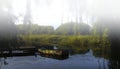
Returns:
(54, 53)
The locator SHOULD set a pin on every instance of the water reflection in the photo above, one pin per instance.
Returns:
(58, 57)
(77, 61)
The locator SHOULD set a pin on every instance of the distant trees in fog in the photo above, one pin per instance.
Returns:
(72, 28)
(64, 29)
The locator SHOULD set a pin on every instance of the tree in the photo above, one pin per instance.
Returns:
(73, 29)
(111, 28)
(35, 29)
(83, 29)
(8, 30)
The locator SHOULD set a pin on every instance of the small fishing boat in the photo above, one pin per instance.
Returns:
(54, 53)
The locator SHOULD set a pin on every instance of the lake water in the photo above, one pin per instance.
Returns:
(77, 61)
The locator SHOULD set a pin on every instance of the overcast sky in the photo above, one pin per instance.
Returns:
(55, 12)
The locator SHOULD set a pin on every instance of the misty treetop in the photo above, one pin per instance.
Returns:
(34, 29)
(71, 28)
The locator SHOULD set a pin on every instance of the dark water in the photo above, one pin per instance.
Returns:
(77, 61)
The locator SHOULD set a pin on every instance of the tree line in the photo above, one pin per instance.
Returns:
(70, 28)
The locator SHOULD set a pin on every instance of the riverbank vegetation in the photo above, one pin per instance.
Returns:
(77, 43)
(70, 36)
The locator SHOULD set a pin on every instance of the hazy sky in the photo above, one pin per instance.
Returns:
(55, 12)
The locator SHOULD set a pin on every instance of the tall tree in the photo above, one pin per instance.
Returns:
(27, 16)
(7, 27)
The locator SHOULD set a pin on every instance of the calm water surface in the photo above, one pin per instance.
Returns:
(77, 61)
